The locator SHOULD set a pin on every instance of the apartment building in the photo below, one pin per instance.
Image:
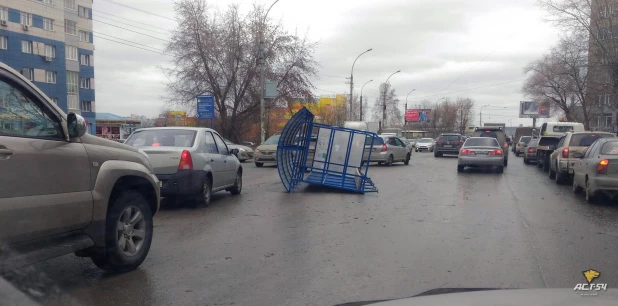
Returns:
(51, 43)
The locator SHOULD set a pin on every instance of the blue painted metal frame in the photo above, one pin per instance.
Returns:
(293, 150)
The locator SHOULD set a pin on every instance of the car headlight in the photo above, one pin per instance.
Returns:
(241, 150)
(257, 151)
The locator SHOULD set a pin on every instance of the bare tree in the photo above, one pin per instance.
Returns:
(394, 117)
(216, 52)
(465, 114)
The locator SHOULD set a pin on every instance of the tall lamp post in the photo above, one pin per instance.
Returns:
(384, 99)
(481, 115)
(361, 100)
(262, 85)
(408, 96)
(405, 110)
(352, 82)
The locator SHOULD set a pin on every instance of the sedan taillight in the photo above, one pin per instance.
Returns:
(495, 152)
(602, 166)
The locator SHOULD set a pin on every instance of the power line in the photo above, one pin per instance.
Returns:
(133, 31)
(135, 26)
(131, 42)
(101, 12)
(132, 45)
(140, 10)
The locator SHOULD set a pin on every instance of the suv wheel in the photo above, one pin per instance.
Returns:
(237, 183)
(128, 233)
(259, 165)
(407, 161)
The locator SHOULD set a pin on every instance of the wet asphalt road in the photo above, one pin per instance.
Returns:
(427, 228)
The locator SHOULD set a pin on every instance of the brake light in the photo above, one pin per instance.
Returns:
(156, 144)
(384, 148)
(505, 145)
(186, 162)
(458, 143)
(466, 152)
(438, 142)
(602, 166)
(495, 152)
(487, 131)
(530, 150)
(565, 153)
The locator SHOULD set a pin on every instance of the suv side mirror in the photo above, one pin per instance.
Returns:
(76, 125)
(234, 152)
(578, 155)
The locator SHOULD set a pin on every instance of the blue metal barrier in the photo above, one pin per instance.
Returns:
(334, 158)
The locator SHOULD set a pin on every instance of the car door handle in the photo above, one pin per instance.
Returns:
(6, 152)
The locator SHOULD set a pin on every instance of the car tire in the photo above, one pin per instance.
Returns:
(259, 165)
(590, 196)
(125, 210)
(437, 154)
(546, 164)
(526, 161)
(237, 189)
(407, 161)
(390, 161)
(500, 169)
(203, 198)
(576, 189)
(460, 168)
(506, 162)
(558, 178)
(551, 174)
(517, 154)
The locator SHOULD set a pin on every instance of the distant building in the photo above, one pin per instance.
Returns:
(112, 126)
(50, 43)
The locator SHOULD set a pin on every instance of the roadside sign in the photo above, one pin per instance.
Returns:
(205, 107)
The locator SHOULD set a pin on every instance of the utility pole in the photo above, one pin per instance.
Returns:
(262, 81)
(352, 84)
(386, 88)
(361, 100)
(481, 115)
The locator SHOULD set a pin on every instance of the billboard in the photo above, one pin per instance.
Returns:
(418, 115)
(531, 109)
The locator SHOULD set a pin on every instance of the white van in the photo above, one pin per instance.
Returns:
(560, 128)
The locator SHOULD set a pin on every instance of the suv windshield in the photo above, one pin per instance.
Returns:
(162, 138)
(425, 140)
(585, 140)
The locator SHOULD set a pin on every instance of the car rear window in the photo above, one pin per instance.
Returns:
(532, 143)
(481, 142)
(585, 140)
(610, 148)
(488, 134)
(378, 141)
(449, 138)
(525, 139)
(162, 138)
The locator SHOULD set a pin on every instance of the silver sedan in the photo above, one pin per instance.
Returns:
(482, 152)
(596, 170)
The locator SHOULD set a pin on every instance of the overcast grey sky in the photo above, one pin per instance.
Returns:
(445, 48)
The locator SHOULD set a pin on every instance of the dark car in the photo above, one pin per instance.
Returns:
(509, 141)
(448, 144)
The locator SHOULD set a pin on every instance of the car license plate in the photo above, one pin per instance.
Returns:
(448, 146)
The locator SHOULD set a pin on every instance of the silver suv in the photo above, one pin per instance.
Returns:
(66, 191)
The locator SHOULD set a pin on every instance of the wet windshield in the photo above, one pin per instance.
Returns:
(272, 140)
(481, 142)
(585, 140)
(426, 140)
(162, 138)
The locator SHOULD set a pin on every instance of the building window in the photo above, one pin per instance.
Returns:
(4, 13)
(28, 73)
(26, 46)
(608, 121)
(84, 59)
(70, 4)
(70, 27)
(72, 78)
(50, 51)
(86, 106)
(48, 24)
(55, 100)
(71, 53)
(84, 83)
(25, 18)
(73, 101)
(48, 2)
(604, 99)
(84, 36)
(50, 77)
(4, 42)
(82, 12)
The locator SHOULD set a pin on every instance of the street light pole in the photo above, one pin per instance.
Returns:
(352, 82)
(361, 100)
(407, 97)
(384, 100)
(405, 110)
(481, 115)
(262, 81)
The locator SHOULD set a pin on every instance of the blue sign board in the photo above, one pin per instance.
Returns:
(205, 107)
